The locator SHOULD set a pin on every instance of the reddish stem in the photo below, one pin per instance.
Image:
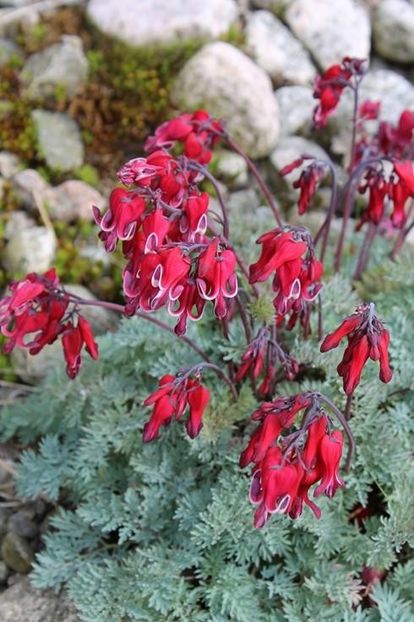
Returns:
(259, 179)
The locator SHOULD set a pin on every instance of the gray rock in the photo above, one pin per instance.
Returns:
(277, 51)
(4, 519)
(23, 525)
(33, 369)
(8, 50)
(231, 169)
(62, 65)
(100, 319)
(162, 21)
(390, 88)
(296, 104)
(73, 200)
(27, 184)
(228, 83)
(29, 249)
(393, 30)
(23, 603)
(17, 220)
(10, 164)
(16, 553)
(330, 29)
(59, 140)
(278, 7)
(4, 573)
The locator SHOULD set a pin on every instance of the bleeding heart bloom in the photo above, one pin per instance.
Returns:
(328, 88)
(330, 452)
(378, 190)
(170, 400)
(216, 276)
(278, 247)
(367, 338)
(197, 132)
(121, 219)
(73, 340)
(369, 110)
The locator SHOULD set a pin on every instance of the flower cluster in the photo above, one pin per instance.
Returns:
(330, 85)
(287, 465)
(161, 219)
(308, 181)
(289, 254)
(170, 400)
(264, 352)
(367, 338)
(197, 132)
(37, 312)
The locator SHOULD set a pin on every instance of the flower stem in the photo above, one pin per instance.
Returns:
(259, 179)
(121, 309)
(343, 420)
(326, 225)
(365, 250)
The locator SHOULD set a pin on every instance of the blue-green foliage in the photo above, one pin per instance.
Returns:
(163, 532)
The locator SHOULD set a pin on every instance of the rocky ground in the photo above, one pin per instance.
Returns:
(74, 103)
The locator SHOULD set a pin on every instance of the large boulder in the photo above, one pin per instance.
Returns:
(296, 104)
(62, 65)
(231, 86)
(59, 140)
(331, 29)
(162, 21)
(393, 30)
(276, 50)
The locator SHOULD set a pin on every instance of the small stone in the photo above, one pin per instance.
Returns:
(10, 164)
(59, 140)
(296, 104)
(16, 221)
(27, 184)
(16, 553)
(62, 65)
(230, 86)
(102, 320)
(23, 603)
(4, 573)
(393, 30)
(73, 201)
(33, 369)
(8, 51)
(278, 7)
(388, 87)
(331, 30)
(162, 21)
(231, 169)
(276, 50)
(22, 524)
(29, 250)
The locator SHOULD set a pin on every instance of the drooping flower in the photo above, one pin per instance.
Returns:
(288, 463)
(121, 219)
(171, 399)
(197, 132)
(367, 338)
(378, 188)
(74, 338)
(216, 276)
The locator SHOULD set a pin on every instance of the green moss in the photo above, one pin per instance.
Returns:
(88, 174)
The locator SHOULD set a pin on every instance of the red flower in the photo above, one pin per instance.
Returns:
(367, 338)
(170, 401)
(287, 466)
(328, 89)
(216, 276)
(73, 340)
(330, 453)
(278, 247)
(198, 133)
(308, 183)
(369, 110)
(378, 191)
(121, 219)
